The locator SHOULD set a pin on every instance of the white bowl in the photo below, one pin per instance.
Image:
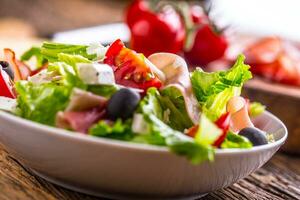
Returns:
(119, 169)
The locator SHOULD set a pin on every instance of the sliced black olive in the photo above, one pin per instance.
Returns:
(256, 136)
(7, 68)
(122, 104)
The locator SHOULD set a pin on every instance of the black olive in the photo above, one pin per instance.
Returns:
(7, 68)
(122, 104)
(256, 136)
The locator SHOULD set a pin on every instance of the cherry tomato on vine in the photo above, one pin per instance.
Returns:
(155, 28)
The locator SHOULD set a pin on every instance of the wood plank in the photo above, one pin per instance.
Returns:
(279, 179)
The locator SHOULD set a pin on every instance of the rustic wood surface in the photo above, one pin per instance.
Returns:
(278, 179)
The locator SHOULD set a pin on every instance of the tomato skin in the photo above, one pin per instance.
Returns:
(130, 68)
(34, 72)
(264, 51)
(207, 47)
(155, 32)
(192, 131)
(113, 52)
(223, 123)
(5, 90)
(271, 58)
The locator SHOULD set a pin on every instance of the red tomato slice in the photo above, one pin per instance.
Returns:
(6, 85)
(223, 123)
(130, 67)
(192, 131)
(264, 51)
(34, 72)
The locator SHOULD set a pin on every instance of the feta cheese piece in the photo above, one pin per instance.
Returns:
(96, 74)
(139, 125)
(8, 104)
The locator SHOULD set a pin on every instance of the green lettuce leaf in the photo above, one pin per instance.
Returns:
(233, 140)
(213, 90)
(103, 90)
(171, 99)
(118, 130)
(67, 75)
(178, 143)
(51, 50)
(72, 59)
(40, 103)
(256, 109)
(34, 52)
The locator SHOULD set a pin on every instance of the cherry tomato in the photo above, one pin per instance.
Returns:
(6, 85)
(270, 58)
(207, 46)
(223, 123)
(151, 32)
(264, 51)
(130, 67)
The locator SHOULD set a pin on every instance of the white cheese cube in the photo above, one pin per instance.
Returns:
(139, 125)
(8, 104)
(96, 74)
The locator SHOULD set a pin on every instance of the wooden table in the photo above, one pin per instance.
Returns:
(278, 179)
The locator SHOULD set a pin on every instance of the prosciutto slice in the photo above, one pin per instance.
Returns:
(21, 70)
(237, 107)
(83, 111)
(177, 75)
(82, 100)
(79, 121)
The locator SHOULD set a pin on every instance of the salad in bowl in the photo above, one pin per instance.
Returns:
(114, 92)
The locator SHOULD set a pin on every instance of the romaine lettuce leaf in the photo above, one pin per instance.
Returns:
(72, 59)
(103, 90)
(40, 103)
(213, 90)
(34, 52)
(179, 143)
(67, 75)
(171, 98)
(233, 140)
(51, 50)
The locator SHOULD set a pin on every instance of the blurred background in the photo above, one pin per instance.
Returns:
(43, 18)
(266, 31)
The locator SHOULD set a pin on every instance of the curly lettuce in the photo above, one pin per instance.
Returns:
(40, 103)
(213, 90)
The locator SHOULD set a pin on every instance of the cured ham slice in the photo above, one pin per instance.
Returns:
(83, 111)
(81, 100)
(21, 70)
(79, 121)
(177, 75)
(237, 107)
